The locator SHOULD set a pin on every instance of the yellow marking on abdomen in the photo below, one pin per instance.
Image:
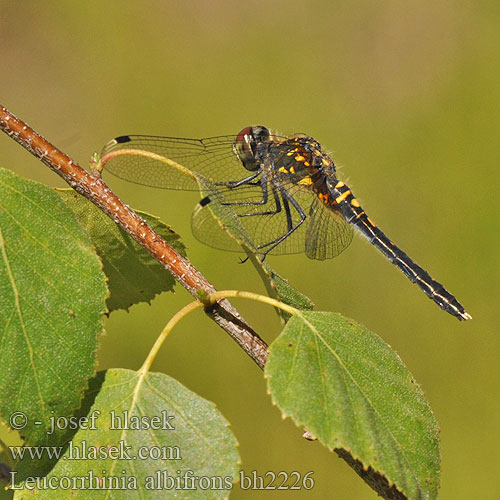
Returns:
(339, 185)
(343, 196)
(371, 222)
(359, 215)
(355, 203)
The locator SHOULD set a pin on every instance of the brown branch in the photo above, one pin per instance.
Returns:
(92, 187)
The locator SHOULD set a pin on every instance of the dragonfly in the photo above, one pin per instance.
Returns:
(283, 190)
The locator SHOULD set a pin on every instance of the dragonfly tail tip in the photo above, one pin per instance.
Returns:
(465, 316)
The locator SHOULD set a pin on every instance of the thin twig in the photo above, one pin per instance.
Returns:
(92, 187)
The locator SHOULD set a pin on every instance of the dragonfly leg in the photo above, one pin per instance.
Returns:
(246, 180)
(265, 198)
(287, 201)
(274, 211)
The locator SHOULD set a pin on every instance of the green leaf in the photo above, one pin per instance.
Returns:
(287, 293)
(52, 293)
(133, 275)
(352, 392)
(279, 288)
(193, 437)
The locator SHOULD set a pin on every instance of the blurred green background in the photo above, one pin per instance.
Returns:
(407, 97)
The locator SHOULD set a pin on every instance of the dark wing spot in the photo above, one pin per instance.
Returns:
(122, 139)
(205, 201)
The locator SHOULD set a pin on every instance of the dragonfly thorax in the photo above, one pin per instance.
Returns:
(300, 160)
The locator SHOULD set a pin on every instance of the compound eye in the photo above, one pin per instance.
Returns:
(242, 146)
(245, 145)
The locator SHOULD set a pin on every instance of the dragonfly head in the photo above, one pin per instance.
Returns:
(245, 145)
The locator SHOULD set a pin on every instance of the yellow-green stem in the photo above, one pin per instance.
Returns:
(223, 294)
(163, 335)
(254, 296)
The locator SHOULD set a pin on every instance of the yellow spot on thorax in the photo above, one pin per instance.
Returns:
(306, 181)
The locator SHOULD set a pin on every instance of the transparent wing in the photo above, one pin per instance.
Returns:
(248, 215)
(169, 162)
(218, 225)
(322, 234)
(328, 234)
